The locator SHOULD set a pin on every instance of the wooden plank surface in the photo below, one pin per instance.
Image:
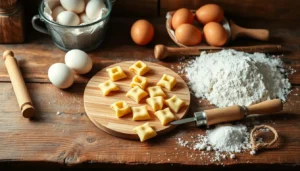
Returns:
(62, 133)
(118, 47)
(71, 138)
(247, 9)
(98, 107)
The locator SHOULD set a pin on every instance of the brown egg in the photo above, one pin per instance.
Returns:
(142, 32)
(188, 34)
(215, 34)
(182, 16)
(209, 13)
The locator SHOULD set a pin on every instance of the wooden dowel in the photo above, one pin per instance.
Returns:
(161, 51)
(266, 107)
(18, 84)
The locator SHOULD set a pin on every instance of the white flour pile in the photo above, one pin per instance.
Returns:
(225, 139)
(231, 78)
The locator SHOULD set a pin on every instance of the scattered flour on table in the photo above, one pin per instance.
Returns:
(224, 140)
(231, 77)
(229, 138)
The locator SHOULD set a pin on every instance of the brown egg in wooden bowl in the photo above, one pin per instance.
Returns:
(185, 27)
(206, 26)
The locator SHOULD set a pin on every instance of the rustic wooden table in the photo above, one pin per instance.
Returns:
(72, 139)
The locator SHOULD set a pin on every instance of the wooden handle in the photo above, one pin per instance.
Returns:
(18, 84)
(234, 113)
(221, 115)
(266, 107)
(161, 51)
(258, 34)
(238, 31)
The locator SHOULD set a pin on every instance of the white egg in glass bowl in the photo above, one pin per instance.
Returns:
(72, 29)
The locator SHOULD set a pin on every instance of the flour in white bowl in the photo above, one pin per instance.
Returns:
(230, 77)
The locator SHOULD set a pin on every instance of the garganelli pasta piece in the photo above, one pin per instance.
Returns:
(156, 91)
(174, 103)
(167, 82)
(116, 73)
(139, 68)
(156, 103)
(140, 81)
(121, 108)
(136, 94)
(145, 132)
(140, 113)
(107, 87)
(165, 116)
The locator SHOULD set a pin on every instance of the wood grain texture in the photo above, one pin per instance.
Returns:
(12, 27)
(249, 9)
(7, 3)
(70, 138)
(98, 108)
(118, 47)
(61, 133)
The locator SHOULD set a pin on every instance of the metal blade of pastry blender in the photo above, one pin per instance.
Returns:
(183, 121)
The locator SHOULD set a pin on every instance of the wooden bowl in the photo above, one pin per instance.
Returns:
(171, 32)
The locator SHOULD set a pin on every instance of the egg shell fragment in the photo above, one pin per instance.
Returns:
(60, 75)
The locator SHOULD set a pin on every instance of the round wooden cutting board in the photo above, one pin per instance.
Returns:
(98, 108)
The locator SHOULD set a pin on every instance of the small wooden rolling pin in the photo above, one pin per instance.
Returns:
(18, 84)
(232, 113)
(162, 52)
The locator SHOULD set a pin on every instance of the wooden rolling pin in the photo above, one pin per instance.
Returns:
(18, 84)
(162, 52)
(232, 113)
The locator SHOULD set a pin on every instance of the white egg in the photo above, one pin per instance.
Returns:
(68, 18)
(93, 8)
(53, 3)
(79, 61)
(84, 18)
(60, 75)
(76, 6)
(56, 11)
